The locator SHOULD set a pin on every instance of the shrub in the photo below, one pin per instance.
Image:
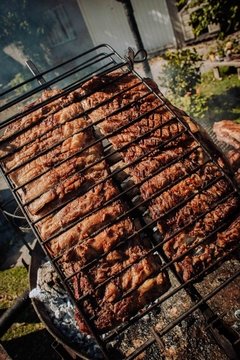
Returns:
(182, 71)
(181, 75)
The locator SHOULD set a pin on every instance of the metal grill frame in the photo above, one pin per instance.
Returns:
(107, 52)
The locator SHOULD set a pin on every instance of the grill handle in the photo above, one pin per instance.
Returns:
(34, 70)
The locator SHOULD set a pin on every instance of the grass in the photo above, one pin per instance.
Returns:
(13, 282)
(223, 96)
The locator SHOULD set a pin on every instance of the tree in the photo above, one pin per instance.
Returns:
(224, 12)
(21, 25)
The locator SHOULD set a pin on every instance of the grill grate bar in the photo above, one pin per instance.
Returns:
(49, 83)
(105, 46)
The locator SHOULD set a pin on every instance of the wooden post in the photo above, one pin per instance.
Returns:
(216, 73)
(238, 72)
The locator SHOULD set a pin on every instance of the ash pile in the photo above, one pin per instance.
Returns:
(61, 311)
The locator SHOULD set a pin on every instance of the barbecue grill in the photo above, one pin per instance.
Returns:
(72, 75)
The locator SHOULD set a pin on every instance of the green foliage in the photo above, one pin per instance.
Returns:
(13, 282)
(182, 71)
(181, 3)
(222, 96)
(181, 77)
(224, 12)
(194, 105)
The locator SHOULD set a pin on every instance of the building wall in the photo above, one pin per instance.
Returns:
(107, 23)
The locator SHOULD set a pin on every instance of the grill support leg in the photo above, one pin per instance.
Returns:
(9, 316)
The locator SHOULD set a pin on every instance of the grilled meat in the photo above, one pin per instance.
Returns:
(172, 173)
(205, 254)
(56, 176)
(198, 205)
(64, 128)
(182, 190)
(176, 193)
(88, 250)
(76, 183)
(85, 228)
(139, 280)
(77, 208)
(35, 116)
(196, 233)
(46, 161)
(234, 158)
(228, 131)
(151, 163)
(62, 193)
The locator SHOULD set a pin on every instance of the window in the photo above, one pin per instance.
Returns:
(58, 26)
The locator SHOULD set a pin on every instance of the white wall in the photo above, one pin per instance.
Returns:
(107, 23)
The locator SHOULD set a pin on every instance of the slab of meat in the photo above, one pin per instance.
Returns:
(228, 131)
(151, 163)
(88, 250)
(77, 208)
(58, 175)
(173, 173)
(51, 136)
(199, 204)
(202, 201)
(183, 189)
(37, 115)
(141, 280)
(205, 255)
(234, 158)
(48, 160)
(194, 234)
(85, 228)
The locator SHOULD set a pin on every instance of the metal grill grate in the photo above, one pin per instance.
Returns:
(100, 61)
